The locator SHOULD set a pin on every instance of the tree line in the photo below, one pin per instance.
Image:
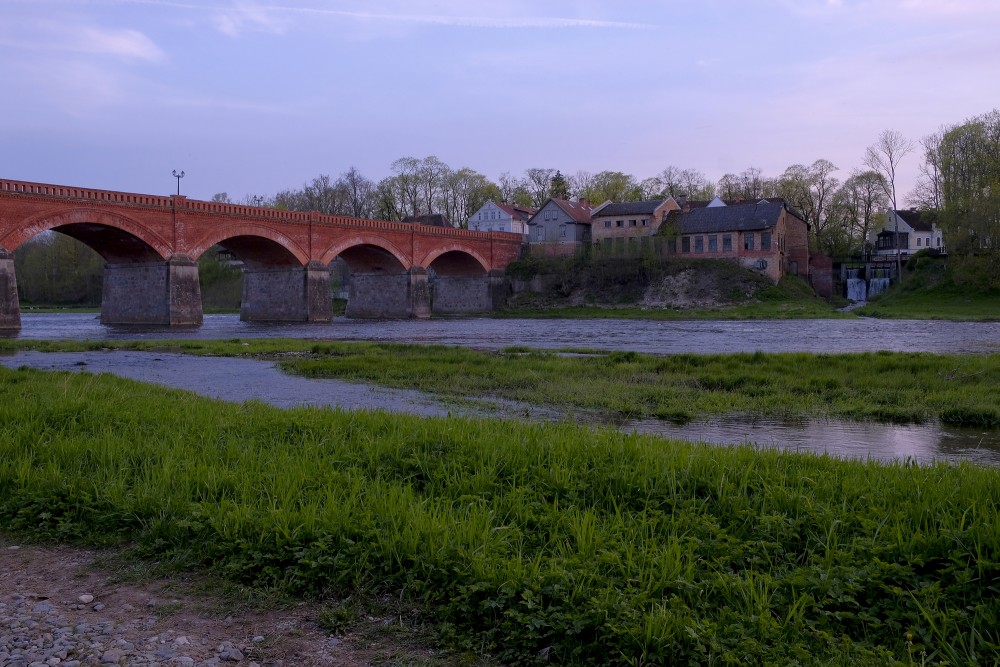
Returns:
(960, 182)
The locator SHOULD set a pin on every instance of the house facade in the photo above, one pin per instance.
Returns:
(560, 227)
(908, 232)
(495, 217)
(629, 219)
(766, 236)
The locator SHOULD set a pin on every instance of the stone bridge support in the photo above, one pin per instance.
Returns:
(283, 294)
(461, 295)
(381, 295)
(152, 293)
(10, 308)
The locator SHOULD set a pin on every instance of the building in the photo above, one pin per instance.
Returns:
(495, 217)
(429, 219)
(766, 236)
(629, 219)
(560, 227)
(908, 232)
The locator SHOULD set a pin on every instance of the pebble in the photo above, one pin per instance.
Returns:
(38, 632)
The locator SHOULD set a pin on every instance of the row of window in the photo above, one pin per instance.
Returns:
(482, 216)
(927, 242)
(631, 223)
(749, 242)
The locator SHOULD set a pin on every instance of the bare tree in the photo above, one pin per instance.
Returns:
(360, 193)
(538, 181)
(511, 187)
(927, 194)
(884, 157)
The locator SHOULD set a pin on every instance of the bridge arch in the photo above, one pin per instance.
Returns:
(456, 259)
(255, 245)
(115, 236)
(368, 253)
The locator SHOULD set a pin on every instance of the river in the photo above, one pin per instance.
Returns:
(648, 336)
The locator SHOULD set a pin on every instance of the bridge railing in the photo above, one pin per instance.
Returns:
(219, 208)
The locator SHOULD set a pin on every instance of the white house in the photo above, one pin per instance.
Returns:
(908, 232)
(494, 217)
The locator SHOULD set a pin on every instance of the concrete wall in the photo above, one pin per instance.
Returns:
(380, 295)
(295, 294)
(152, 293)
(10, 308)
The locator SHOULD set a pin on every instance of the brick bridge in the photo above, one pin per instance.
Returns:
(151, 245)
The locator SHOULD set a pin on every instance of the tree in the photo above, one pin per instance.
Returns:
(861, 202)
(360, 193)
(537, 182)
(612, 186)
(969, 156)
(513, 190)
(558, 186)
(809, 190)
(884, 157)
(221, 198)
(927, 192)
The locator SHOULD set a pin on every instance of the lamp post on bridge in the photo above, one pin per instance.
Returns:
(178, 177)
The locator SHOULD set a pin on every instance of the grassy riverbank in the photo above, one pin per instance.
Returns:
(879, 386)
(537, 543)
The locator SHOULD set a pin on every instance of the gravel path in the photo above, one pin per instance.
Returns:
(61, 606)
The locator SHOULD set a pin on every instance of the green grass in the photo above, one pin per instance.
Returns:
(939, 289)
(875, 386)
(539, 543)
(879, 386)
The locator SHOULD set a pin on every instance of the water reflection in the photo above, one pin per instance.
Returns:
(246, 379)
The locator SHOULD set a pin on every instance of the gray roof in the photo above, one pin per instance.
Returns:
(631, 208)
(743, 218)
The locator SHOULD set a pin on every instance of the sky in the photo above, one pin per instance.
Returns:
(253, 97)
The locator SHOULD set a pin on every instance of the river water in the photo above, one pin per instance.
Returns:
(240, 380)
(648, 336)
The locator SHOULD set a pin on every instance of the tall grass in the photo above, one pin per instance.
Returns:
(543, 543)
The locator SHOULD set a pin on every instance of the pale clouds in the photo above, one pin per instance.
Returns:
(248, 16)
(66, 37)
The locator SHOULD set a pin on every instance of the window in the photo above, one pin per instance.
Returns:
(748, 241)
(927, 242)
(727, 243)
(607, 224)
(619, 223)
(918, 241)
(699, 244)
(540, 233)
(631, 223)
(645, 222)
(939, 242)
(713, 243)
(562, 230)
(686, 244)
(765, 240)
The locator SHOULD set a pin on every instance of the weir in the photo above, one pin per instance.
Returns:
(152, 293)
(287, 294)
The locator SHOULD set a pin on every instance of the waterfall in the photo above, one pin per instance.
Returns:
(877, 286)
(856, 288)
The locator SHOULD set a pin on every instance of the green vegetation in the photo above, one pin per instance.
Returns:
(648, 287)
(883, 386)
(537, 543)
(953, 288)
(874, 386)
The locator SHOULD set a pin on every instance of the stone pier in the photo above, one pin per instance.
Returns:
(381, 295)
(282, 294)
(152, 293)
(10, 308)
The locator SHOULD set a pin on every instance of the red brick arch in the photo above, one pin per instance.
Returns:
(454, 247)
(365, 239)
(229, 231)
(42, 222)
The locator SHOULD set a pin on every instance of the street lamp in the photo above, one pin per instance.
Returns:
(257, 200)
(178, 177)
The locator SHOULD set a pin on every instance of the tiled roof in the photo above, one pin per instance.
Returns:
(521, 213)
(578, 210)
(912, 218)
(631, 208)
(747, 217)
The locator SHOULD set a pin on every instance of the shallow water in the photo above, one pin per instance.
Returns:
(246, 379)
(648, 336)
